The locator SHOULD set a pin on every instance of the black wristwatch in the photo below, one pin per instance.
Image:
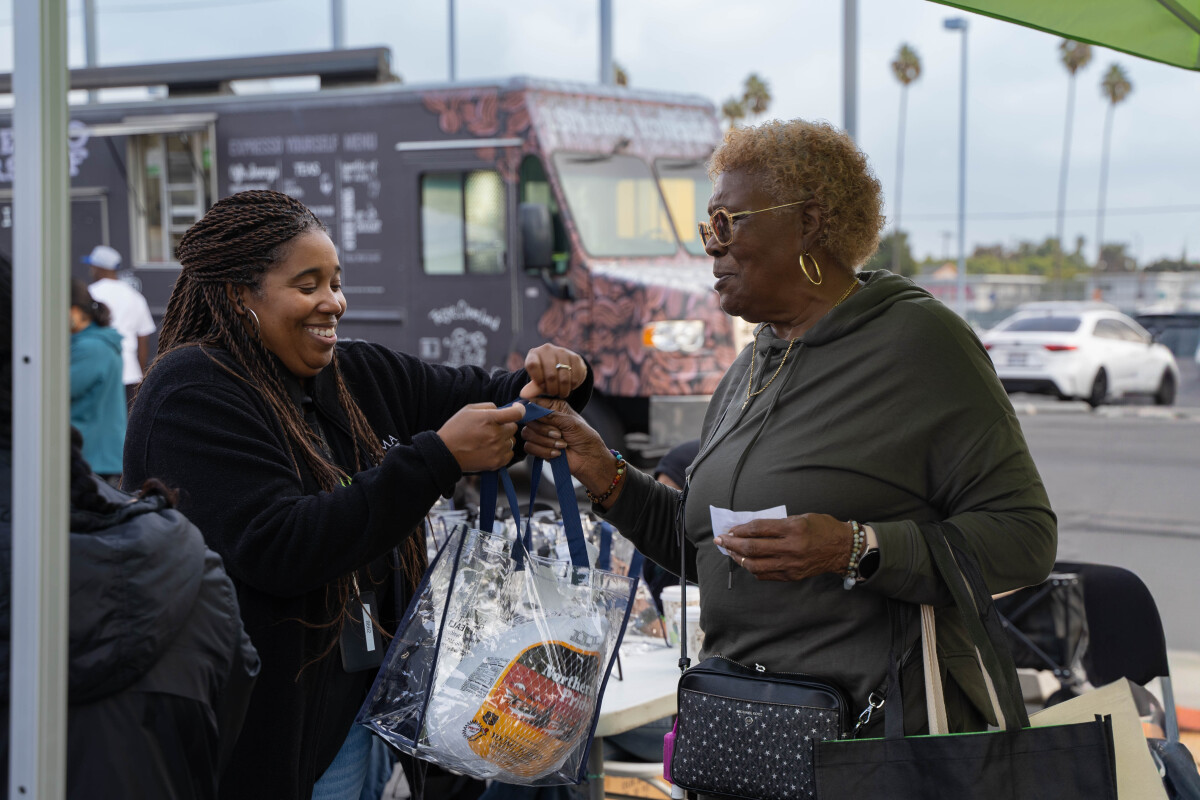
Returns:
(868, 564)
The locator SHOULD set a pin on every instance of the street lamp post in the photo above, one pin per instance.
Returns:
(960, 24)
(607, 73)
(850, 66)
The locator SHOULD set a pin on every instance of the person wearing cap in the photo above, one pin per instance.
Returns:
(130, 314)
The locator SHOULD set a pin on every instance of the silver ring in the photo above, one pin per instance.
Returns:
(562, 366)
(512, 443)
(743, 562)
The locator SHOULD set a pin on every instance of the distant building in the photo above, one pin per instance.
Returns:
(1150, 291)
(990, 298)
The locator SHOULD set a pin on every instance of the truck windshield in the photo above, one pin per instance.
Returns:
(615, 205)
(687, 187)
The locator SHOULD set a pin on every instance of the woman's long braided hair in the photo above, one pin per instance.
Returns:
(237, 242)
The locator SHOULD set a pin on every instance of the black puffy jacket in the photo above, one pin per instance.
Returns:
(160, 669)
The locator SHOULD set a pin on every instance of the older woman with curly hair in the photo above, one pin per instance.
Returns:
(864, 406)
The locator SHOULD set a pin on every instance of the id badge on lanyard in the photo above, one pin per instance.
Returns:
(361, 645)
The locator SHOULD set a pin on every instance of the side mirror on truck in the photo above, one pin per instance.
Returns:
(537, 248)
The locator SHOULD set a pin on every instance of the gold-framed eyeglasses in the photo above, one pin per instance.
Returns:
(720, 224)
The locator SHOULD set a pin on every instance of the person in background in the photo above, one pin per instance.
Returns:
(98, 408)
(670, 471)
(310, 463)
(159, 668)
(130, 313)
(864, 406)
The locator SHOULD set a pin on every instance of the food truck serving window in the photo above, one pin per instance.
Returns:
(686, 187)
(463, 221)
(171, 176)
(616, 205)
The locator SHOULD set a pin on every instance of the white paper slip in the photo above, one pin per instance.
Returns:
(723, 519)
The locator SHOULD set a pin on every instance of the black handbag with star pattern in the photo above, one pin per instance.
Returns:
(747, 733)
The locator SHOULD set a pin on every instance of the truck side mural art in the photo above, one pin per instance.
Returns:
(472, 221)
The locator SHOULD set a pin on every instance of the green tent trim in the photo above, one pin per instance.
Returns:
(1167, 31)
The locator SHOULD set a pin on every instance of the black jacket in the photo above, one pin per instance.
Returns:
(201, 427)
(159, 667)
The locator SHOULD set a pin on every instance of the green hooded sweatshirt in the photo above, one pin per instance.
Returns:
(887, 411)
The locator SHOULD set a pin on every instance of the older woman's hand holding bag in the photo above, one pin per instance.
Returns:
(1064, 761)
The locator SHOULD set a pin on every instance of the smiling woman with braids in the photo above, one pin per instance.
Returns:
(309, 465)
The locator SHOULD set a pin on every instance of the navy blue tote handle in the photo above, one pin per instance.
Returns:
(568, 505)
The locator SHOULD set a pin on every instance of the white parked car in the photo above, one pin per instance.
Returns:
(1086, 351)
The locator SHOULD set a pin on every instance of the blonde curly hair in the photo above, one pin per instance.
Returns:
(799, 160)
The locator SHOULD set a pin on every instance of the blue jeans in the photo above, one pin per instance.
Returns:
(345, 776)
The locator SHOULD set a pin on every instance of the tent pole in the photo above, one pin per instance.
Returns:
(38, 689)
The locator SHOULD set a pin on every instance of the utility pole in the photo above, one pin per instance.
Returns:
(89, 40)
(850, 67)
(607, 78)
(452, 54)
(338, 10)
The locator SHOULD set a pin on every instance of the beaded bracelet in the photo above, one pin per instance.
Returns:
(850, 579)
(612, 487)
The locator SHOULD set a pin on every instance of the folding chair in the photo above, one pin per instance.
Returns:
(1126, 633)
(1047, 628)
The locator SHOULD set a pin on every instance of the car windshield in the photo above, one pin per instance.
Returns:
(615, 204)
(687, 187)
(1056, 324)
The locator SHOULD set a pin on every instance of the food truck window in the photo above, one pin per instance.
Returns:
(616, 205)
(463, 222)
(686, 188)
(535, 188)
(171, 174)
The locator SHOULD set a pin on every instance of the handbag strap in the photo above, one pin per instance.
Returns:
(935, 700)
(960, 571)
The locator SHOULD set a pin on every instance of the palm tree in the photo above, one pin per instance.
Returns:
(621, 75)
(1075, 56)
(906, 68)
(757, 95)
(733, 111)
(1116, 87)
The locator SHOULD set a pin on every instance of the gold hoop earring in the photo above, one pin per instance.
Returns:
(820, 279)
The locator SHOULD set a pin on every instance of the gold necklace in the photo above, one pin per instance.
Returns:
(853, 285)
(750, 383)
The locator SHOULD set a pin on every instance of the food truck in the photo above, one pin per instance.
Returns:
(473, 220)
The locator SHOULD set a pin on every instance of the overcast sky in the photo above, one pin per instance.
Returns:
(1016, 84)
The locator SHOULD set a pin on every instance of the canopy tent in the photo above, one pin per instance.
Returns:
(1160, 30)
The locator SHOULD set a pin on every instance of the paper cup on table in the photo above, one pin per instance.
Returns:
(694, 634)
(671, 597)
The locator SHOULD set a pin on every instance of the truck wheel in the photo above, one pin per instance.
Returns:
(601, 416)
(1165, 396)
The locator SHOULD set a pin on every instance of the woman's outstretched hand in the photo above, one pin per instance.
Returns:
(481, 437)
(553, 372)
(565, 431)
(790, 549)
